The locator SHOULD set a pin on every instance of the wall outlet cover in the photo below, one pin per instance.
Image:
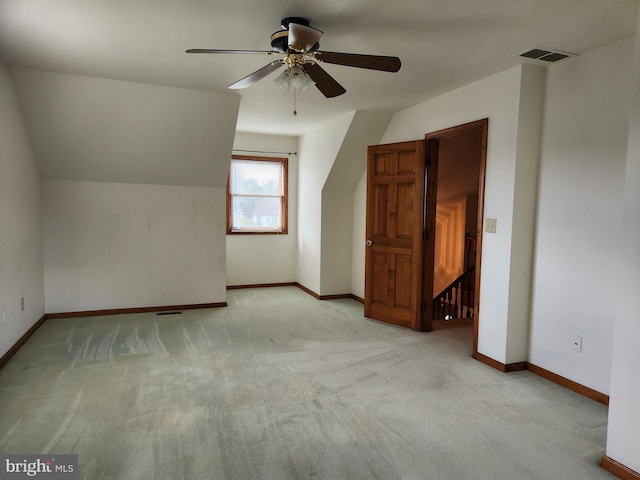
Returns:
(576, 343)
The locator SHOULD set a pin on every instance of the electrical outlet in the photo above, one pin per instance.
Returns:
(22, 304)
(576, 343)
(4, 317)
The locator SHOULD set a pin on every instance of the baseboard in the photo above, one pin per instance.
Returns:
(509, 367)
(554, 377)
(618, 469)
(301, 287)
(262, 285)
(21, 341)
(570, 384)
(489, 361)
(335, 297)
(120, 311)
(307, 290)
(515, 367)
(327, 297)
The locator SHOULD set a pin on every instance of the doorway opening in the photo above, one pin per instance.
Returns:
(456, 173)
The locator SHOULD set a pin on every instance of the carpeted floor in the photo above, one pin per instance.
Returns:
(279, 385)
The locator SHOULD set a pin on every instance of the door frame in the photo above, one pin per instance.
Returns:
(432, 140)
(429, 200)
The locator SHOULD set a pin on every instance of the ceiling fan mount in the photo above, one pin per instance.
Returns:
(288, 20)
(299, 42)
(280, 39)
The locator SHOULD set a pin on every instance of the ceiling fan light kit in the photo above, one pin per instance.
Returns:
(294, 78)
(299, 42)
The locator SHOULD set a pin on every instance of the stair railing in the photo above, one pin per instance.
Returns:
(457, 300)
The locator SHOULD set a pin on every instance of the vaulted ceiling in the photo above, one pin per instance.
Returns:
(442, 45)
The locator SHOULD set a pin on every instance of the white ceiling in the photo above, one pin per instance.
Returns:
(442, 45)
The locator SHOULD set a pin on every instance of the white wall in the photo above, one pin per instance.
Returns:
(624, 415)
(530, 122)
(366, 128)
(337, 231)
(579, 214)
(21, 264)
(317, 154)
(126, 164)
(359, 233)
(110, 245)
(261, 259)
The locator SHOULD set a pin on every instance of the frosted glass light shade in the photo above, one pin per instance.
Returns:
(294, 78)
(281, 81)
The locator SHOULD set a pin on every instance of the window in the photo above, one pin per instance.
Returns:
(257, 195)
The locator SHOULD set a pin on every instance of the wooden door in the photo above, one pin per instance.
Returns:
(395, 225)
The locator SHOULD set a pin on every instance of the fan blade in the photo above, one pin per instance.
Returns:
(209, 50)
(257, 75)
(372, 62)
(302, 38)
(325, 82)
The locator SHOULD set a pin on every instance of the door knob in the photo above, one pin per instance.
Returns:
(368, 243)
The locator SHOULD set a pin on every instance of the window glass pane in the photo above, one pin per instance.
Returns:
(257, 200)
(254, 212)
(257, 178)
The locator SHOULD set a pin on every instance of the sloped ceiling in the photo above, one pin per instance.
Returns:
(92, 129)
(442, 45)
(366, 128)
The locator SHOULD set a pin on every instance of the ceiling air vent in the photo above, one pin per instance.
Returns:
(545, 55)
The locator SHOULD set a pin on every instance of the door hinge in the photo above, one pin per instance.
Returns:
(423, 306)
(425, 234)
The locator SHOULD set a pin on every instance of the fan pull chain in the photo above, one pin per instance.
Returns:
(295, 111)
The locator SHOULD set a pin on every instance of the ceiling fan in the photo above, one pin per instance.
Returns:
(299, 43)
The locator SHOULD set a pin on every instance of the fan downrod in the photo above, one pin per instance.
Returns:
(297, 20)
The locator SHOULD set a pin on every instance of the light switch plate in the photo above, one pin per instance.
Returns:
(490, 225)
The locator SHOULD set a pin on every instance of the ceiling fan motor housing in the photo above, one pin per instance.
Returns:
(280, 42)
